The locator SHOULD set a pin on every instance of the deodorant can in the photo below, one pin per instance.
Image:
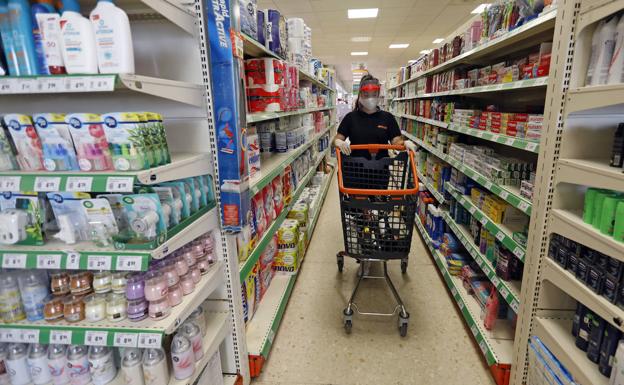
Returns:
(191, 331)
(17, 366)
(57, 364)
(38, 364)
(155, 369)
(131, 369)
(199, 317)
(182, 357)
(78, 365)
(102, 363)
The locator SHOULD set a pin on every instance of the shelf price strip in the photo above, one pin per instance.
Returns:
(522, 144)
(45, 334)
(51, 182)
(56, 84)
(71, 260)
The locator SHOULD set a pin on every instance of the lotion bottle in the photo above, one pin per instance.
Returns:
(78, 40)
(113, 39)
(40, 8)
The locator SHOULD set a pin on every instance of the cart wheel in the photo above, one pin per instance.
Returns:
(340, 261)
(403, 330)
(403, 321)
(404, 266)
(348, 324)
(348, 319)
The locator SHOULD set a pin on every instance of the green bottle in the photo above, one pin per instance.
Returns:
(598, 202)
(607, 219)
(588, 207)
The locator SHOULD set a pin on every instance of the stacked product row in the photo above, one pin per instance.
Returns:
(39, 39)
(106, 220)
(123, 141)
(606, 63)
(604, 210)
(288, 132)
(544, 367)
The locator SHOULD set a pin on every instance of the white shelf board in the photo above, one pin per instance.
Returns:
(229, 379)
(590, 172)
(592, 97)
(556, 334)
(570, 224)
(175, 12)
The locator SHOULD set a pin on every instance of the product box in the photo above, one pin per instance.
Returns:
(22, 216)
(26, 142)
(276, 34)
(248, 18)
(58, 147)
(261, 30)
(287, 258)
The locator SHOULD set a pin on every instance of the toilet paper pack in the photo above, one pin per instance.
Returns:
(248, 17)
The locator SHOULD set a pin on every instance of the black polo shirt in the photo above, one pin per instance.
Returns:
(362, 128)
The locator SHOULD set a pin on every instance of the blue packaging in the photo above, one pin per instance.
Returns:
(226, 95)
(248, 17)
(261, 29)
(36, 8)
(8, 43)
(24, 42)
(276, 36)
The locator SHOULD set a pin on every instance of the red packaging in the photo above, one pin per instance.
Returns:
(257, 207)
(287, 185)
(520, 117)
(492, 78)
(264, 71)
(278, 198)
(512, 128)
(266, 100)
(269, 204)
(268, 255)
(542, 70)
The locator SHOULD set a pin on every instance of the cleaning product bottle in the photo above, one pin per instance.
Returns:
(616, 67)
(607, 219)
(113, 38)
(491, 310)
(617, 155)
(618, 226)
(607, 45)
(41, 7)
(78, 40)
(595, 51)
(21, 23)
(47, 24)
(6, 34)
(588, 207)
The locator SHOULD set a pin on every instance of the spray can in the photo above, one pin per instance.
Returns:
(102, 363)
(199, 317)
(38, 364)
(16, 364)
(78, 365)
(191, 331)
(131, 369)
(57, 364)
(155, 370)
(182, 357)
(4, 375)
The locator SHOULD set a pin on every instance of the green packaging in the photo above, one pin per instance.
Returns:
(588, 208)
(607, 220)
(598, 202)
(618, 226)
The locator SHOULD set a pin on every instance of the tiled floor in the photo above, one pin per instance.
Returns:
(312, 347)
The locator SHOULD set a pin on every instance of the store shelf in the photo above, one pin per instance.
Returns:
(59, 84)
(501, 232)
(514, 37)
(217, 328)
(522, 144)
(570, 224)
(510, 290)
(261, 116)
(86, 256)
(590, 172)
(273, 164)
(431, 149)
(181, 166)
(125, 333)
(497, 344)
(511, 86)
(229, 379)
(319, 203)
(427, 182)
(433, 122)
(556, 334)
(591, 97)
(248, 265)
(175, 12)
(578, 290)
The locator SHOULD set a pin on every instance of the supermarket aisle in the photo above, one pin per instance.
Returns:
(311, 346)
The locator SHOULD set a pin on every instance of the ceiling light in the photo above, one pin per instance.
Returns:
(425, 51)
(411, 61)
(359, 53)
(438, 40)
(363, 13)
(361, 39)
(399, 45)
(480, 8)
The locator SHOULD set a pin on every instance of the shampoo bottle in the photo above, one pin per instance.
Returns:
(41, 7)
(113, 38)
(78, 40)
(21, 23)
(606, 47)
(617, 155)
(595, 51)
(6, 34)
(47, 25)
(616, 67)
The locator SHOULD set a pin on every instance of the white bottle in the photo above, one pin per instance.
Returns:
(616, 68)
(606, 46)
(595, 51)
(78, 41)
(113, 39)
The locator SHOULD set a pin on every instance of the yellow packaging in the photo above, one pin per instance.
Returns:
(300, 213)
(288, 234)
(287, 260)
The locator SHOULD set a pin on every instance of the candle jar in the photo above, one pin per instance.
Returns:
(95, 307)
(135, 286)
(175, 295)
(53, 308)
(60, 283)
(189, 257)
(159, 309)
(74, 309)
(195, 273)
(119, 282)
(116, 307)
(137, 309)
(203, 265)
(170, 272)
(197, 248)
(80, 283)
(102, 282)
(211, 258)
(156, 287)
(208, 242)
(187, 284)
(181, 265)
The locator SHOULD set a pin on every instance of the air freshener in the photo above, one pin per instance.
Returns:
(145, 215)
(70, 217)
(125, 140)
(22, 215)
(58, 147)
(102, 224)
(90, 142)
(26, 141)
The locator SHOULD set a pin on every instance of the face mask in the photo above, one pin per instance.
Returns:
(369, 104)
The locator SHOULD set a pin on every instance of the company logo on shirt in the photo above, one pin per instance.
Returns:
(382, 126)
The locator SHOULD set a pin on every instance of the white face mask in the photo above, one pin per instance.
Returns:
(369, 104)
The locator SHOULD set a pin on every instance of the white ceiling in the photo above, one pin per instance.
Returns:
(416, 22)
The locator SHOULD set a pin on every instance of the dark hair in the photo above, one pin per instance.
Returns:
(368, 78)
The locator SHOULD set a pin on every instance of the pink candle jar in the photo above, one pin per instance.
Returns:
(175, 295)
(137, 309)
(156, 287)
(203, 265)
(208, 242)
(187, 284)
(159, 309)
(197, 249)
(195, 273)
(171, 274)
(189, 257)
(135, 286)
(181, 265)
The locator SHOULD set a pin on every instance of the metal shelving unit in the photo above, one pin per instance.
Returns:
(261, 116)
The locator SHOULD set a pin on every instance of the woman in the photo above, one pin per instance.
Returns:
(368, 124)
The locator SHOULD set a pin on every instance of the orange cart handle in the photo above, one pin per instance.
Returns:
(377, 147)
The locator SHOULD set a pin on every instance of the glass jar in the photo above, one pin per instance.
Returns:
(175, 295)
(116, 307)
(189, 257)
(102, 282)
(119, 282)
(195, 273)
(203, 265)
(187, 284)
(80, 283)
(137, 309)
(73, 308)
(181, 265)
(156, 287)
(60, 283)
(135, 286)
(171, 273)
(53, 308)
(11, 308)
(95, 307)
(159, 309)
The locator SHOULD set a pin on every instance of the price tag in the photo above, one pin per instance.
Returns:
(515, 305)
(500, 236)
(30, 336)
(531, 146)
(7, 86)
(504, 194)
(495, 137)
(479, 134)
(47, 183)
(78, 84)
(26, 86)
(509, 141)
(150, 340)
(496, 281)
(126, 340)
(73, 260)
(61, 337)
(11, 335)
(483, 220)
(518, 252)
(504, 292)
(79, 183)
(49, 261)
(472, 209)
(10, 183)
(454, 291)
(50, 85)
(523, 206)
(14, 261)
(487, 185)
(498, 87)
(103, 83)
(480, 263)
(129, 262)
(461, 304)
(96, 338)
(483, 347)
(119, 184)
(474, 329)
(99, 262)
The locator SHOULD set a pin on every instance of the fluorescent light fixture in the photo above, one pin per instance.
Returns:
(425, 51)
(362, 13)
(361, 39)
(411, 61)
(399, 45)
(438, 40)
(480, 8)
(359, 53)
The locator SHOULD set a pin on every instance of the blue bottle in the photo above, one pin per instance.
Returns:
(6, 32)
(21, 23)
(41, 6)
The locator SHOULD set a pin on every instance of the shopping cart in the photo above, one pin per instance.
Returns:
(378, 207)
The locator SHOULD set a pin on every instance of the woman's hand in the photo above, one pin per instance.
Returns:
(344, 147)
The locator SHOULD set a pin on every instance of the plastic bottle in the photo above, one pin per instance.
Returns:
(606, 46)
(617, 154)
(78, 40)
(616, 67)
(41, 7)
(113, 38)
(618, 226)
(47, 25)
(21, 23)
(595, 51)
(7, 39)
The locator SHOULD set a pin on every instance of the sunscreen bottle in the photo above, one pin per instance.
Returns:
(78, 40)
(24, 42)
(113, 38)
